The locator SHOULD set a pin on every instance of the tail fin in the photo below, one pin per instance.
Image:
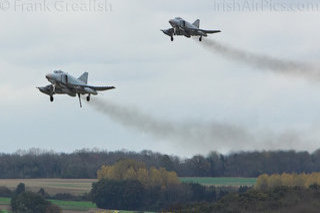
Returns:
(84, 77)
(196, 23)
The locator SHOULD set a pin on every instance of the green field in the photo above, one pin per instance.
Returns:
(4, 201)
(220, 181)
(74, 205)
(65, 205)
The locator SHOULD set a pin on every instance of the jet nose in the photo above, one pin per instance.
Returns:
(49, 76)
(171, 21)
(40, 88)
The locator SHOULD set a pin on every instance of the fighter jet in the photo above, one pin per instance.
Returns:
(182, 27)
(63, 83)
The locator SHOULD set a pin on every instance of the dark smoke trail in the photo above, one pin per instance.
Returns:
(190, 134)
(263, 61)
(194, 136)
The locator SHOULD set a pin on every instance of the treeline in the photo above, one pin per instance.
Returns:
(129, 169)
(37, 163)
(279, 199)
(266, 182)
(133, 195)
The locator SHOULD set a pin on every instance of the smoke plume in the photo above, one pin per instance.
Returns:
(194, 136)
(264, 62)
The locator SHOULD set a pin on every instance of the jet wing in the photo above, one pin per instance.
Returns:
(100, 88)
(96, 88)
(210, 31)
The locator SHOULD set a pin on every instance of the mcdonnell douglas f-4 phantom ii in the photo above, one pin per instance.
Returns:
(182, 27)
(63, 83)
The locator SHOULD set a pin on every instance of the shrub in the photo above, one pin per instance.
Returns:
(29, 202)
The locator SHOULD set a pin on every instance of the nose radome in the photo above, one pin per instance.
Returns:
(41, 89)
(48, 76)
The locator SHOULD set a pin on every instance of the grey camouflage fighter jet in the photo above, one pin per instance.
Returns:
(63, 83)
(184, 28)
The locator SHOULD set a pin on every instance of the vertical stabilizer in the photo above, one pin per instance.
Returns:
(196, 23)
(84, 77)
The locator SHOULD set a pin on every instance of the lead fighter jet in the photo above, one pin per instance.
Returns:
(63, 83)
(182, 27)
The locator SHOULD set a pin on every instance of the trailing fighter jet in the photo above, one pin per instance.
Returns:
(63, 83)
(182, 27)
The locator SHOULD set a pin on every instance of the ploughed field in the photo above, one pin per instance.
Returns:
(52, 186)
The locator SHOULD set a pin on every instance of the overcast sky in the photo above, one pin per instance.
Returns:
(122, 45)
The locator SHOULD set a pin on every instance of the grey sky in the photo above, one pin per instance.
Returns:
(178, 82)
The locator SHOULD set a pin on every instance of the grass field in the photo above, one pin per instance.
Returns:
(66, 205)
(220, 181)
(4, 201)
(75, 206)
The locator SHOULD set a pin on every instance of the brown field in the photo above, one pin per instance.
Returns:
(52, 186)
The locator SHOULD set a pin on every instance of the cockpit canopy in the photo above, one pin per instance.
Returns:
(57, 71)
